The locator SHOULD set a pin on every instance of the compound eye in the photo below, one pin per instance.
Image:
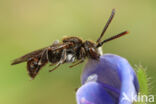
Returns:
(93, 53)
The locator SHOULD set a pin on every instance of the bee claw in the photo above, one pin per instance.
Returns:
(50, 70)
(76, 89)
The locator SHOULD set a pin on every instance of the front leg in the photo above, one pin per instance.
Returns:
(81, 57)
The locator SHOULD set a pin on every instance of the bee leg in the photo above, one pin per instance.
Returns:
(62, 60)
(76, 89)
(73, 58)
(79, 62)
(41, 60)
(81, 56)
(55, 67)
(51, 64)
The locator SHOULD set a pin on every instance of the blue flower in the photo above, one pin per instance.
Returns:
(111, 80)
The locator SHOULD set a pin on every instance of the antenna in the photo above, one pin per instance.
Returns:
(112, 38)
(106, 26)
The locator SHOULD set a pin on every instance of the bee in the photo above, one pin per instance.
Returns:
(71, 50)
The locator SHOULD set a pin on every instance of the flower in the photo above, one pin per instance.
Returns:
(111, 80)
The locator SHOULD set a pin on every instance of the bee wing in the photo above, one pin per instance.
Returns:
(34, 65)
(59, 46)
(53, 47)
(27, 56)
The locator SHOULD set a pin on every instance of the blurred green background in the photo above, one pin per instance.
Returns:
(26, 25)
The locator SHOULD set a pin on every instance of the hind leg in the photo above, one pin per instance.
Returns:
(62, 60)
(79, 62)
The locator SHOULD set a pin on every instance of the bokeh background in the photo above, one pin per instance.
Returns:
(26, 25)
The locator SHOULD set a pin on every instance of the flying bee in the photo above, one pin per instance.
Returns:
(71, 49)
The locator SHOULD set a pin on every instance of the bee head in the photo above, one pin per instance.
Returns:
(91, 49)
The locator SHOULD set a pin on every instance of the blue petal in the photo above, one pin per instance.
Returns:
(93, 93)
(113, 71)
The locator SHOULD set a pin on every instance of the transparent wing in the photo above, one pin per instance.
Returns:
(53, 47)
(27, 56)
